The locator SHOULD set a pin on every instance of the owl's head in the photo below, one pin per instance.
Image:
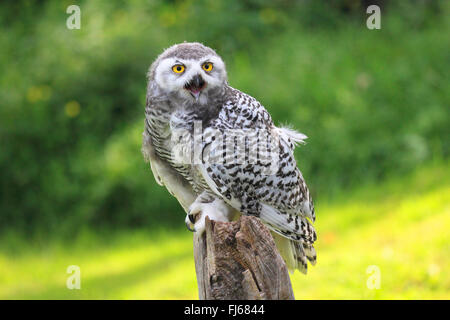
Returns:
(189, 71)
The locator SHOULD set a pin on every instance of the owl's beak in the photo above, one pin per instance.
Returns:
(195, 86)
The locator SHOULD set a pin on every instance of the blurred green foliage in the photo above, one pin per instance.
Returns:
(374, 103)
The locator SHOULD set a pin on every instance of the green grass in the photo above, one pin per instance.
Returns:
(400, 226)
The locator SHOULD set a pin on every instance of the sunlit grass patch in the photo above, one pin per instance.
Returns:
(400, 226)
(106, 270)
(404, 234)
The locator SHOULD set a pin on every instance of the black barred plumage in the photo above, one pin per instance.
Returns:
(249, 177)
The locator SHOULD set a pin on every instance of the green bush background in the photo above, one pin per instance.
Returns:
(374, 103)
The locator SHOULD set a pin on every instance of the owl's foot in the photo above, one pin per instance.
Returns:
(216, 210)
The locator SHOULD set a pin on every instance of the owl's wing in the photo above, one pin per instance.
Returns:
(270, 187)
(280, 199)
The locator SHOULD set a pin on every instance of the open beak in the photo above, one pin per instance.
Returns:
(195, 86)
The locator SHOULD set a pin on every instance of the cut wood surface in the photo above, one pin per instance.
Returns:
(239, 260)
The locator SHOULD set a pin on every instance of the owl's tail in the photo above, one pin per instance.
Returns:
(294, 244)
(295, 253)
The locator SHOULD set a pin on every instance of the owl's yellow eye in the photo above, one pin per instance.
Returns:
(207, 66)
(178, 68)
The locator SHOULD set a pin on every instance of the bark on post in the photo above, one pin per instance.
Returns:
(239, 260)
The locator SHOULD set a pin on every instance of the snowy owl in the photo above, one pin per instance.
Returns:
(217, 150)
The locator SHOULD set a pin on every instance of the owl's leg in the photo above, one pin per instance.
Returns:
(206, 205)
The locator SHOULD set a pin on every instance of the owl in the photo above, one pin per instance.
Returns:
(218, 152)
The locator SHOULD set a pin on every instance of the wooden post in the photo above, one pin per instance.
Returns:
(239, 260)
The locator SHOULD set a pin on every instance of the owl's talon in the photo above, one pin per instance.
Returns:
(188, 226)
(191, 219)
(215, 210)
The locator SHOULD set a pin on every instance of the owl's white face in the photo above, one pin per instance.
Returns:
(191, 80)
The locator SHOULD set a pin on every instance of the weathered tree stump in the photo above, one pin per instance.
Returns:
(239, 261)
